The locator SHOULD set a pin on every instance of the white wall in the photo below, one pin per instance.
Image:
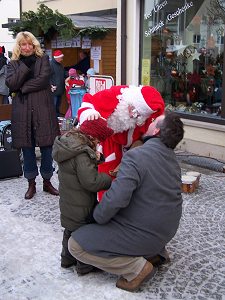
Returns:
(69, 7)
(8, 9)
(133, 41)
(204, 139)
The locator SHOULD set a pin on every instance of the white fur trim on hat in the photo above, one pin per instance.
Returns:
(133, 96)
(59, 56)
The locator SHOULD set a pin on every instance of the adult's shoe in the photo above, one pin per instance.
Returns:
(146, 273)
(83, 269)
(49, 188)
(67, 263)
(31, 189)
(159, 260)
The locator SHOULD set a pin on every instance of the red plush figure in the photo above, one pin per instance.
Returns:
(128, 110)
(72, 81)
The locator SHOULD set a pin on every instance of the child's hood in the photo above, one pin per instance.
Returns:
(67, 147)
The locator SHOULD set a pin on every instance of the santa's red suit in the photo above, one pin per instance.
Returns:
(145, 102)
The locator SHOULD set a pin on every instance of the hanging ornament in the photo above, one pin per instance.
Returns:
(180, 48)
(196, 55)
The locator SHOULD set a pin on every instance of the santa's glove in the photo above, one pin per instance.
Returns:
(94, 116)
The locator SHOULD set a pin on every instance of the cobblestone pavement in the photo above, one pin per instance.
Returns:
(30, 235)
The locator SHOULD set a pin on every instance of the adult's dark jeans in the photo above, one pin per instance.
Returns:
(57, 103)
(30, 167)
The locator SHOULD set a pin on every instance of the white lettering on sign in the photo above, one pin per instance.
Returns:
(169, 17)
(100, 85)
(156, 8)
(179, 11)
(153, 29)
(147, 16)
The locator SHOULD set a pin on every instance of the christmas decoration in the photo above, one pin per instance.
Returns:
(46, 23)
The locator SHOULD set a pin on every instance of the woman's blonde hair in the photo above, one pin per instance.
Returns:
(26, 36)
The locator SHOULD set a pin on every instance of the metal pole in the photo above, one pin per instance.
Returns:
(123, 40)
(223, 93)
(20, 9)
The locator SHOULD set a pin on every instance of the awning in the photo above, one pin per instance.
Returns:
(84, 21)
(10, 24)
(93, 21)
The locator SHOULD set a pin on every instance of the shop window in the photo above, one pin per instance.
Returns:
(196, 38)
(220, 40)
(182, 54)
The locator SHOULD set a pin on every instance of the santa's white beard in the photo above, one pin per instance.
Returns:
(120, 119)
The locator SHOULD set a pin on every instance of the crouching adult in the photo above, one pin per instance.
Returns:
(140, 213)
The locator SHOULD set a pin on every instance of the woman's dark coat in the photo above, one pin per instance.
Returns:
(32, 106)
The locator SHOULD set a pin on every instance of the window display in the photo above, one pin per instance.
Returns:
(182, 53)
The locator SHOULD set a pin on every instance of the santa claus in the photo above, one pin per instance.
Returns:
(128, 110)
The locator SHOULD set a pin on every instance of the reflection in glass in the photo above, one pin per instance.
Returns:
(182, 56)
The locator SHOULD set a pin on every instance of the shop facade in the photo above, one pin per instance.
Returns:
(182, 55)
(176, 46)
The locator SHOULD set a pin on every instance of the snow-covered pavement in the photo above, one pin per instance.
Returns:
(30, 245)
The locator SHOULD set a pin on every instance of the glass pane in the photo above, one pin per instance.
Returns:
(182, 53)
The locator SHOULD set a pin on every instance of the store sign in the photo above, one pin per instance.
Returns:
(86, 43)
(99, 83)
(61, 43)
(96, 53)
(179, 11)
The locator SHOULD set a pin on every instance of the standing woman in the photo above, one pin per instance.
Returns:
(34, 121)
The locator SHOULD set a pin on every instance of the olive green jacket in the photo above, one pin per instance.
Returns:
(79, 179)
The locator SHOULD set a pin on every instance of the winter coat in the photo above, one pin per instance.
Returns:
(3, 88)
(3, 60)
(83, 65)
(141, 211)
(71, 83)
(79, 179)
(33, 111)
(57, 77)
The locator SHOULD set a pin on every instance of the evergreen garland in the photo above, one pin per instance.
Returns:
(46, 23)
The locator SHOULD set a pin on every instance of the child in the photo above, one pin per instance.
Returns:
(90, 72)
(79, 180)
(72, 81)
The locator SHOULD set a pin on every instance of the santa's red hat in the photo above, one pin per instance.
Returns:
(1, 50)
(145, 99)
(58, 54)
